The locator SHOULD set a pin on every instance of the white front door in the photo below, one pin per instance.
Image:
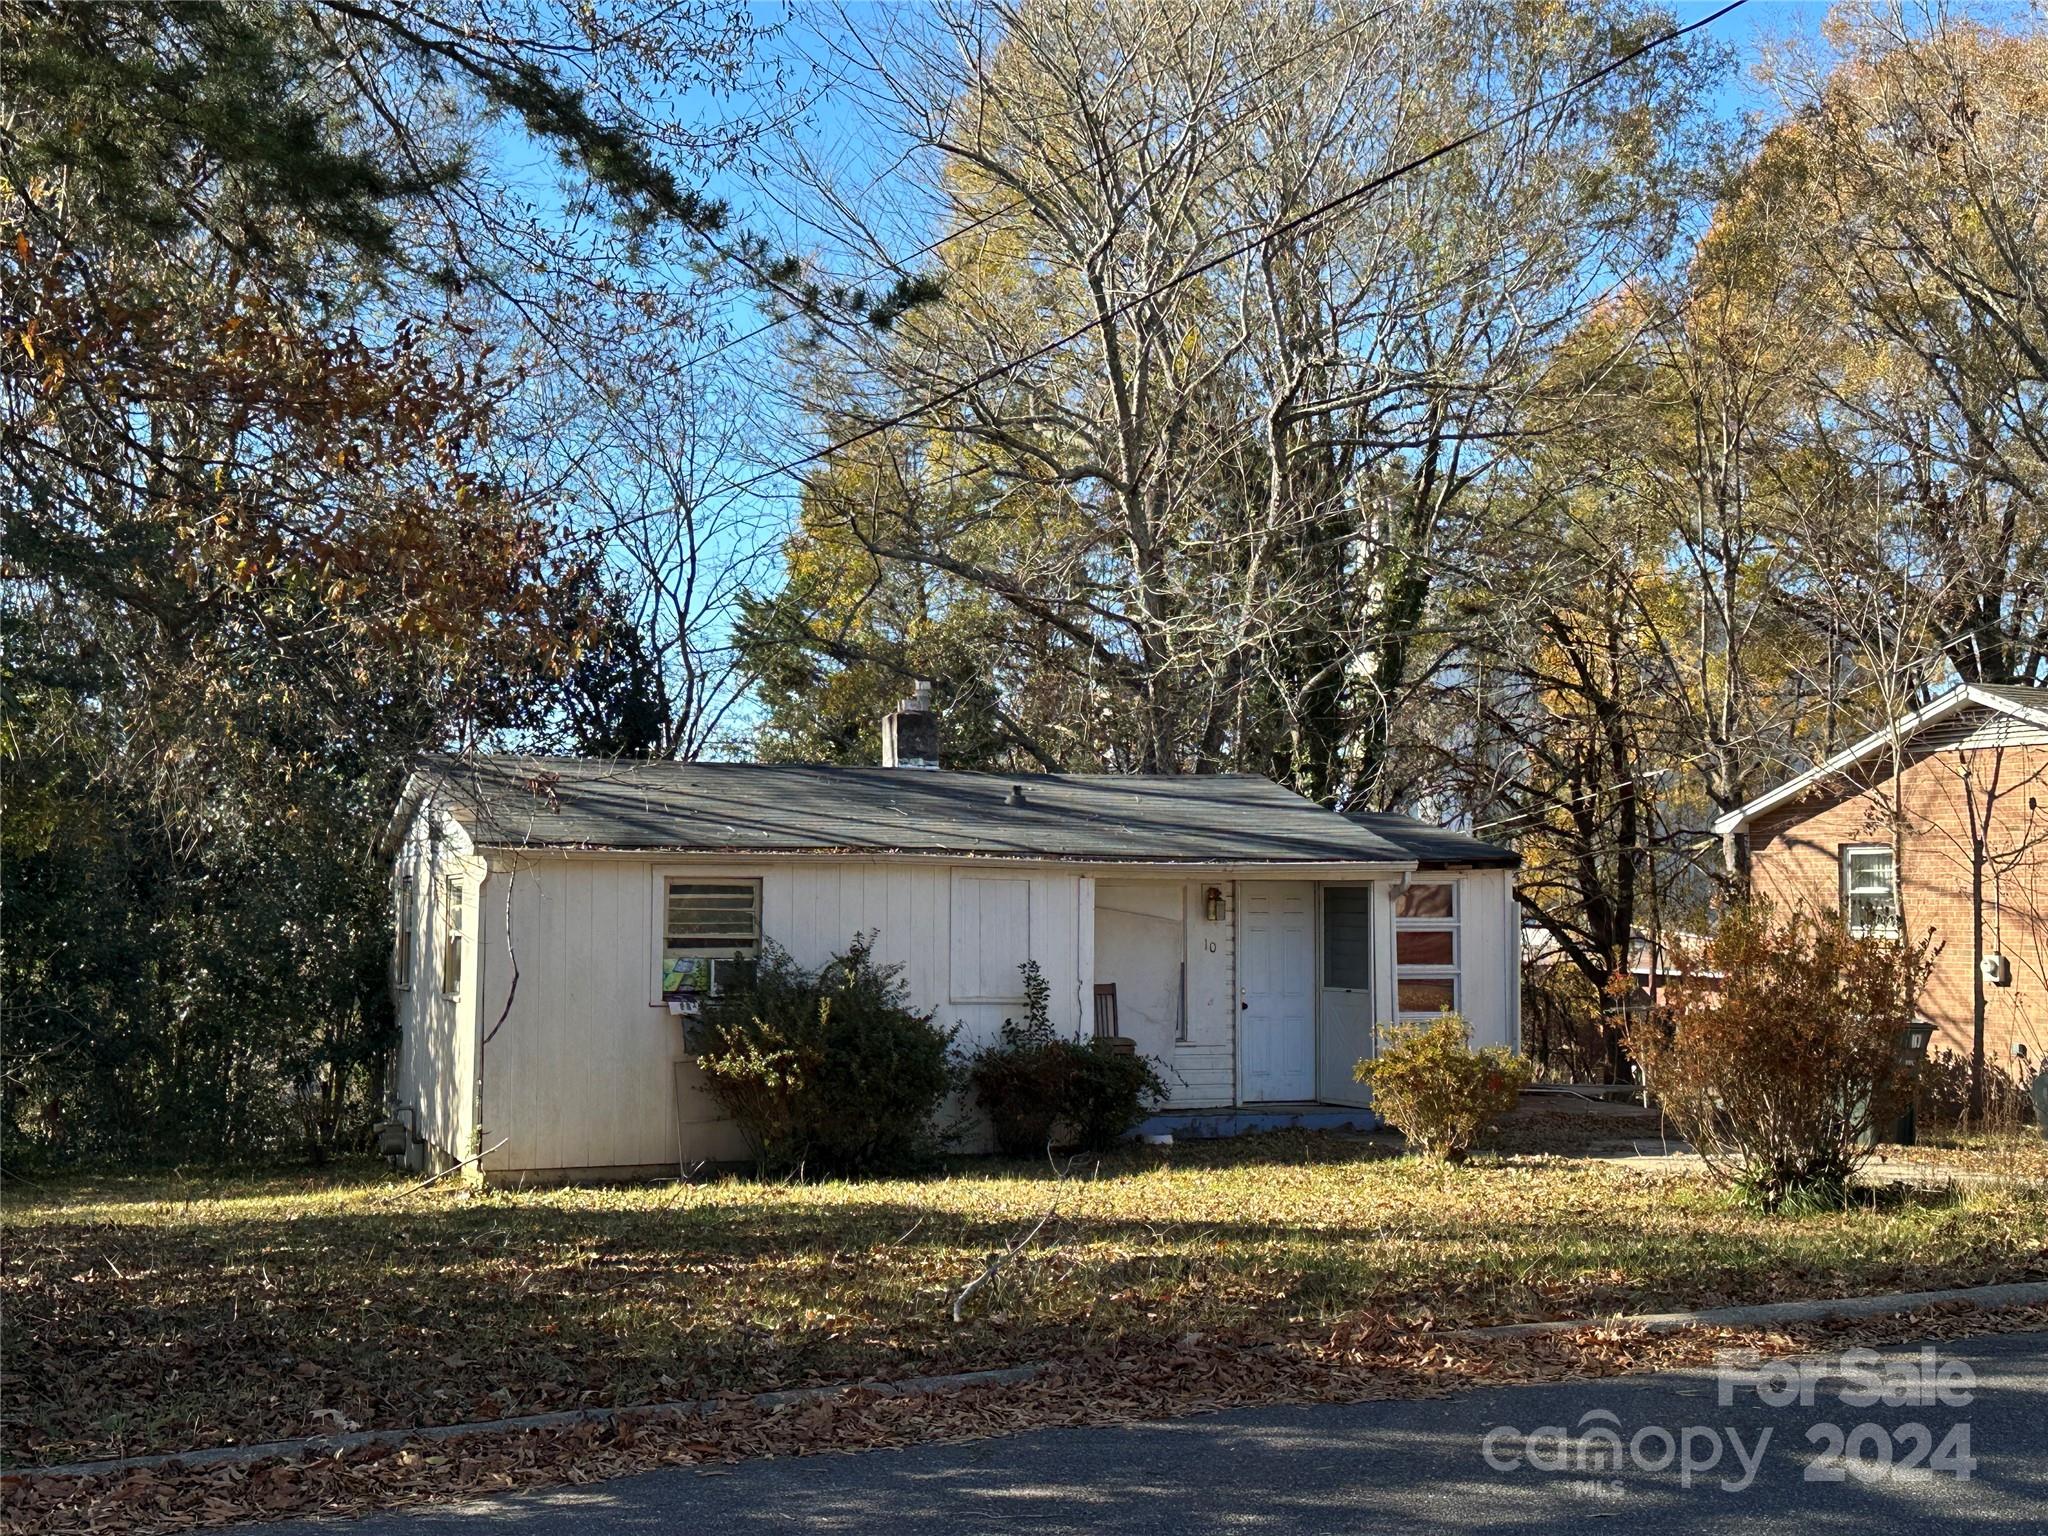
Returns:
(1276, 963)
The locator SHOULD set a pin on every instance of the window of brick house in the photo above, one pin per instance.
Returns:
(1870, 891)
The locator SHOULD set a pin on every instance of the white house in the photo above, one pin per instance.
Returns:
(551, 911)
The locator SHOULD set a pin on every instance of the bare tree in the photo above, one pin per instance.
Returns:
(1229, 494)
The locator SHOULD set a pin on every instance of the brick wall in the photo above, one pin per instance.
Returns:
(1796, 857)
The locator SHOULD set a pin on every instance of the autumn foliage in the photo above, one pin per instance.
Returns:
(1775, 1053)
(1430, 1084)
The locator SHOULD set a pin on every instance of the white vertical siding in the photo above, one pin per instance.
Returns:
(583, 1072)
(437, 1033)
(1490, 933)
(1383, 994)
(1204, 1066)
(1140, 949)
(1144, 927)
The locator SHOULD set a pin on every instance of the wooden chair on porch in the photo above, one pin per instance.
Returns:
(1105, 1019)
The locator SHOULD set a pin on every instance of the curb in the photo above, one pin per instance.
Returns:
(2021, 1294)
(2018, 1294)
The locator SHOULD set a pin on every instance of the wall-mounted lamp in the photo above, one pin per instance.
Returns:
(1212, 903)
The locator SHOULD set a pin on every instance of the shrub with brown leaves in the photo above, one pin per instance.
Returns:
(1779, 1047)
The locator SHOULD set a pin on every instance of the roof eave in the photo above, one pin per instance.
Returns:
(1899, 730)
(1297, 868)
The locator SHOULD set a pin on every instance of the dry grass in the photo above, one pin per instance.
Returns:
(165, 1313)
(2010, 1152)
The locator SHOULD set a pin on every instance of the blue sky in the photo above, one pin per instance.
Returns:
(1758, 22)
(832, 119)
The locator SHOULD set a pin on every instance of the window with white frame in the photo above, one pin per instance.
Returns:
(1870, 891)
(451, 935)
(401, 959)
(991, 937)
(706, 926)
(1426, 947)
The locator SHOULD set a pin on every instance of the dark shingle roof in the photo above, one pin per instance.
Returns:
(1435, 847)
(775, 808)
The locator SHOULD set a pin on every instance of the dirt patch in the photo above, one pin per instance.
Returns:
(1558, 1126)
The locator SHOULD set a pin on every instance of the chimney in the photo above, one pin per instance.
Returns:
(910, 732)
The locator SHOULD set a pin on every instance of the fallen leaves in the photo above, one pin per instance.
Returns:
(1371, 1355)
(148, 1315)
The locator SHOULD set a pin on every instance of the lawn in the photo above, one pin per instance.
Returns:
(160, 1313)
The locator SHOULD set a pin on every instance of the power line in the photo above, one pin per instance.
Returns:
(1286, 227)
(897, 268)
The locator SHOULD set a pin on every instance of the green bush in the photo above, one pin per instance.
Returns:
(1108, 1092)
(830, 1070)
(1429, 1084)
(1039, 1089)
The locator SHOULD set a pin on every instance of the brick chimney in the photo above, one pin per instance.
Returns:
(910, 732)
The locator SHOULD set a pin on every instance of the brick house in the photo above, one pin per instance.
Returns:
(1937, 823)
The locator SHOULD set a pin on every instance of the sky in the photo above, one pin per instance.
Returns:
(1757, 24)
(831, 118)
(811, 50)
(832, 111)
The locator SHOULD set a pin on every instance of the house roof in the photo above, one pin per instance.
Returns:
(1435, 847)
(2024, 703)
(514, 801)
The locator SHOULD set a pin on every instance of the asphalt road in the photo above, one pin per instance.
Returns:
(1458, 1464)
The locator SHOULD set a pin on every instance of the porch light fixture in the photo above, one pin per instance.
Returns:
(1212, 903)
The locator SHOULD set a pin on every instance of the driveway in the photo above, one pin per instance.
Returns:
(1689, 1464)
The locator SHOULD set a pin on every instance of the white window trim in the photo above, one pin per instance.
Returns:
(454, 896)
(1010, 981)
(1454, 973)
(1842, 860)
(402, 958)
(663, 877)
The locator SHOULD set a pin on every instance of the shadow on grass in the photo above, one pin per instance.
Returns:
(270, 1320)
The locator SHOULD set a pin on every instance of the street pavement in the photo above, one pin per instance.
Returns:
(1972, 1419)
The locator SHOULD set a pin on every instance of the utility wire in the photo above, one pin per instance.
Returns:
(1323, 210)
(897, 269)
